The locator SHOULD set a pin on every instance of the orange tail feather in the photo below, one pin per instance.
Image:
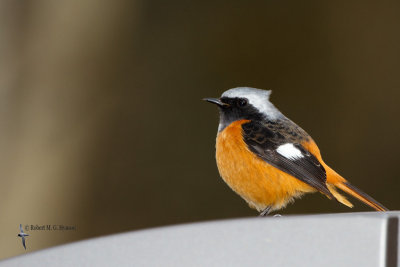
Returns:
(360, 195)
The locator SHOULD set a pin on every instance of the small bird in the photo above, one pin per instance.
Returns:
(267, 159)
(22, 235)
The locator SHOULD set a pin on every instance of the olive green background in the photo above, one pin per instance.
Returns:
(102, 124)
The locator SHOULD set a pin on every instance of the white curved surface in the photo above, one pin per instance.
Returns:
(351, 239)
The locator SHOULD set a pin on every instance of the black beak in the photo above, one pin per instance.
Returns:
(216, 101)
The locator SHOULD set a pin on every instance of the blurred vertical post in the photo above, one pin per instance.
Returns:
(60, 83)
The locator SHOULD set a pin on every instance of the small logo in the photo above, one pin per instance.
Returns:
(22, 235)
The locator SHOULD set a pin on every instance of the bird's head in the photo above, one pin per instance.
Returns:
(244, 103)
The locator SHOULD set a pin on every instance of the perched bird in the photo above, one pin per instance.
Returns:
(267, 159)
(22, 235)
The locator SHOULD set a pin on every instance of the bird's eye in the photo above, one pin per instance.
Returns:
(242, 102)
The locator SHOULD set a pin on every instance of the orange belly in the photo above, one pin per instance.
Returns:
(259, 183)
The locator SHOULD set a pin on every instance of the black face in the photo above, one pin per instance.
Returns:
(236, 109)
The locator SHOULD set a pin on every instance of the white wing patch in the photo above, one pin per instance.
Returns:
(289, 151)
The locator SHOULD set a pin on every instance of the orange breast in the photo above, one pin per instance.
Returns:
(259, 183)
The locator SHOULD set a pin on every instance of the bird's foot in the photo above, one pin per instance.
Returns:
(265, 212)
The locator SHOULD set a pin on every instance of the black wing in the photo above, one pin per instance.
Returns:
(264, 142)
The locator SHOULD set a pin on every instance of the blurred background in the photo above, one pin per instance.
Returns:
(102, 124)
